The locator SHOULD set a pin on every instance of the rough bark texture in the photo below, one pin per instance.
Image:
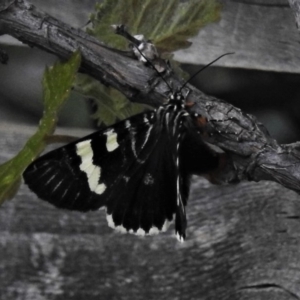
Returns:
(242, 240)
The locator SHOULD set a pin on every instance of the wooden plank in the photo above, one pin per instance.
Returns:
(262, 34)
(243, 242)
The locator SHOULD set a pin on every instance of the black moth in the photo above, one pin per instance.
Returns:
(138, 169)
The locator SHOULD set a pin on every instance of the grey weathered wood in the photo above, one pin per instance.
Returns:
(262, 33)
(295, 6)
(243, 242)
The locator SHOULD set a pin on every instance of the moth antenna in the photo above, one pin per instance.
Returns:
(151, 64)
(203, 68)
(121, 30)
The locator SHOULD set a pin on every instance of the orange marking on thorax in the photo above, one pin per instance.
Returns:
(189, 104)
(201, 121)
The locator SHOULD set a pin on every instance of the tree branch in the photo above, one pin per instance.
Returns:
(252, 153)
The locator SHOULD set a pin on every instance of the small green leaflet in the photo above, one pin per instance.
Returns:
(111, 105)
(168, 24)
(57, 84)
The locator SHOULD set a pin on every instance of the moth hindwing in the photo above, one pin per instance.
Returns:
(132, 168)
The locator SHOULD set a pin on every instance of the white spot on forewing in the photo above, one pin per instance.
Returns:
(93, 172)
(88, 168)
(94, 178)
(100, 188)
(86, 159)
(84, 148)
(111, 142)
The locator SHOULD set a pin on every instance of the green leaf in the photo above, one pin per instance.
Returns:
(168, 24)
(111, 105)
(57, 83)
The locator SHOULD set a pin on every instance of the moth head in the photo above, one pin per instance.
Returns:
(177, 97)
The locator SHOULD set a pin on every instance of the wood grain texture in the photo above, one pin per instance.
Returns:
(243, 242)
(262, 34)
(295, 6)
